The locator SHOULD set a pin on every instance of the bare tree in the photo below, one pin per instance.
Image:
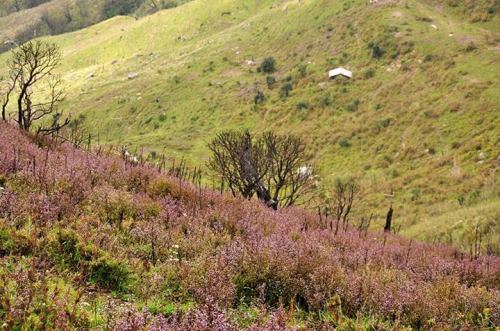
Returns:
(344, 194)
(31, 78)
(268, 166)
(288, 178)
(238, 160)
(9, 88)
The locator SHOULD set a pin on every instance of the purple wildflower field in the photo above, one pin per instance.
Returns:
(90, 241)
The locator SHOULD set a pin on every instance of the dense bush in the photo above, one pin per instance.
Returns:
(121, 7)
(268, 65)
(109, 274)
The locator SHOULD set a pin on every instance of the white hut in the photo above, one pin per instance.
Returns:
(340, 72)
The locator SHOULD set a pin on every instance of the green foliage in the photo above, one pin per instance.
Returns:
(285, 90)
(64, 249)
(160, 188)
(354, 105)
(14, 241)
(122, 7)
(381, 124)
(116, 208)
(301, 105)
(271, 81)
(376, 50)
(344, 143)
(110, 274)
(325, 100)
(302, 69)
(369, 73)
(268, 65)
(259, 97)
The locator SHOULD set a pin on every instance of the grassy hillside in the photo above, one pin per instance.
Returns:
(94, 242)
(418, 124)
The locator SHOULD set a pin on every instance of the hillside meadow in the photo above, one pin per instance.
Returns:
(418, 123)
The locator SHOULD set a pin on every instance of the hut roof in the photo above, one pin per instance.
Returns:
(340, 72)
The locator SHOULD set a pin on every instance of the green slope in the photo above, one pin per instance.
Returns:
(421, 122)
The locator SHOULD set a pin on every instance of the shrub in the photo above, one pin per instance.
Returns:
(377, 50)
(471, 47)
(369, 73)
(416, 193)
(271, 81)
(268, 65)
(109, 274)
(259, 97)
(428, 58)
(6, 243)
(302, 70)
(286, 89)
(344, 143)
(15, 242)
(380, 124)
(354, 105)
(302, 105)
(117, 208)
(325, 100)
(64, 249)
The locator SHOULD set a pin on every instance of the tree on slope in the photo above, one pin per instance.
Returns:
(35, 87)
(269, 166)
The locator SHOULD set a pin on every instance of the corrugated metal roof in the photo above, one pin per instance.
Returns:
(340, 72)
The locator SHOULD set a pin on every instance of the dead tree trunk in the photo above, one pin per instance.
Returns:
(388, 220)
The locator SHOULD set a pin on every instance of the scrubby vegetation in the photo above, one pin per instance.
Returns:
(95, 241)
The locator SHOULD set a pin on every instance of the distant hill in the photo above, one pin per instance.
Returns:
(22, 20)
(417, 124)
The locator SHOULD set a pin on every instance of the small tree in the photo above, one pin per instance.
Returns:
(268, 166)
(344, 194)
(32, 73)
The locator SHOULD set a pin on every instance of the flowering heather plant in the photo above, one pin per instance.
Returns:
(78, 229)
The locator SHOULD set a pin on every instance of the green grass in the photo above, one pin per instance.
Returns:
(402, 133)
